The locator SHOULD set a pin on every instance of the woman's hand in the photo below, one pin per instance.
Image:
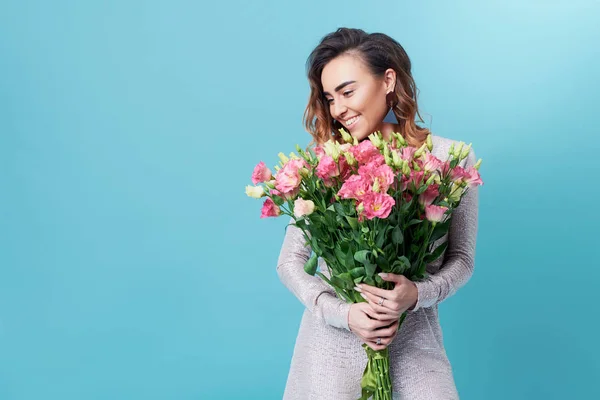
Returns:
(391, 303)
(369, 326)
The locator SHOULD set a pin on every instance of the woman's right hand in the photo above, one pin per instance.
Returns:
(368, 325)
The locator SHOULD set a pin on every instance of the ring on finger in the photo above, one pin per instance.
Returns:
(378, 341)
(381, 300)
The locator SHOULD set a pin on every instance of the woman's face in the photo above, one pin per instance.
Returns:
(356, 98)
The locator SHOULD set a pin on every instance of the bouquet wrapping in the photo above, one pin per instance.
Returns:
(367, 208)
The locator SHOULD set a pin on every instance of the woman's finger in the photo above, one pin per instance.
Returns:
(381, 309)
(363, 287)
(386, 332)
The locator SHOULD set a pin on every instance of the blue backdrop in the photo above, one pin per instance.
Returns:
(132, 264)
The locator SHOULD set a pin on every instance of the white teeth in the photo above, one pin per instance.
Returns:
(352, 120)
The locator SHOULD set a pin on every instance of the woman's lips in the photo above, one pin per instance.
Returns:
(354, 121)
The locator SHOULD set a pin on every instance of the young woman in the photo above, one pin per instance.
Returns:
(355, 79)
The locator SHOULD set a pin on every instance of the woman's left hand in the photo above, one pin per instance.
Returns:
(395, 301)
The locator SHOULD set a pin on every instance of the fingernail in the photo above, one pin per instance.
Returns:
(363, 296)
(357, 288)
(383, 275)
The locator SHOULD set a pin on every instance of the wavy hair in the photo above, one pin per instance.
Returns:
(379, 52)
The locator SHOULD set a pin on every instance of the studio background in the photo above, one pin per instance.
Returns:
(132, 264)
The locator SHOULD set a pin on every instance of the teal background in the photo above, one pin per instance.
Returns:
(133, 266)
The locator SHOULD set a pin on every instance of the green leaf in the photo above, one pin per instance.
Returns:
(365, 229)
(357, 272)
(349, 259)
(397, 235)
(339, 209)
(362, 256)
(311, 265)
(370, 269)
(380, 240)
(341, 256)
(326, 279)
(414, 222)
(429, 258)
(340, 283)
(440, 230)
(352, 221)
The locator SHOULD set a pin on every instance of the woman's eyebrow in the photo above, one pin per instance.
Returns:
(339, 87)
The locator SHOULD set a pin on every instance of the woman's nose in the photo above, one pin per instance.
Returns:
(339, 109)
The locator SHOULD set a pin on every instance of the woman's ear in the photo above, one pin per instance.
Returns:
(389, 79)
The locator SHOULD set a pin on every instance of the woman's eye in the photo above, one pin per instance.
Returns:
(346, 93)
(329, 101)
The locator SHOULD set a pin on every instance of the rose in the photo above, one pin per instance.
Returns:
(255, 192)
(303, 207)
(269, 209)
(377, 205)
(261, 173)
(355, 187)
(288, 178)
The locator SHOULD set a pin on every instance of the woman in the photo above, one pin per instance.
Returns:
(355, 79)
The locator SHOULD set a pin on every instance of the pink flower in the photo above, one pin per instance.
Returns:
(407, 153)
(435, 213)
(319, 152)
(261, 173)
(416, 178)
(377, 205)
(473, 179)
(429, 195)
(431, 163)
(354, 187)
(303, 207)
(288, 178)
(458, 174)
(383, 174)
(269, 209)
(327, 168)
(445, 168)
(364, 151)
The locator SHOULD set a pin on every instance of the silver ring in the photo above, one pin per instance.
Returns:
(381, 301)
(378, 340)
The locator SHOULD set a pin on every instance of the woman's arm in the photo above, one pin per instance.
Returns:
(318, 297)
(459, 259)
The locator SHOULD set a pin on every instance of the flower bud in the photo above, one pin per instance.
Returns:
(332, 149)
(376, 186)
(396, 160)
(405, 168)
(345, 135)
(361, 208)
(451, 151)
(429, 142)
(477, 164)
(283, 158)
(431, 179)
(376, 140)
(420, 151)
(466, 151)
(271, 184)
(458, 150)
(350, 159)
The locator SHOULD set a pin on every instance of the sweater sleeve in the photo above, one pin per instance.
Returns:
(459, 260)
(316, 295)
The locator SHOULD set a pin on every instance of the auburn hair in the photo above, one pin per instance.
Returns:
(379, 52)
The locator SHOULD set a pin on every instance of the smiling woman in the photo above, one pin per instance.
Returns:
(355, 79)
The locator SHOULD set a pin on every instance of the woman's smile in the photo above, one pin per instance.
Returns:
(350, 123)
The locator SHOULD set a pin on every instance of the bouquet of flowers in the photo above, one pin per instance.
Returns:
(366, 208)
